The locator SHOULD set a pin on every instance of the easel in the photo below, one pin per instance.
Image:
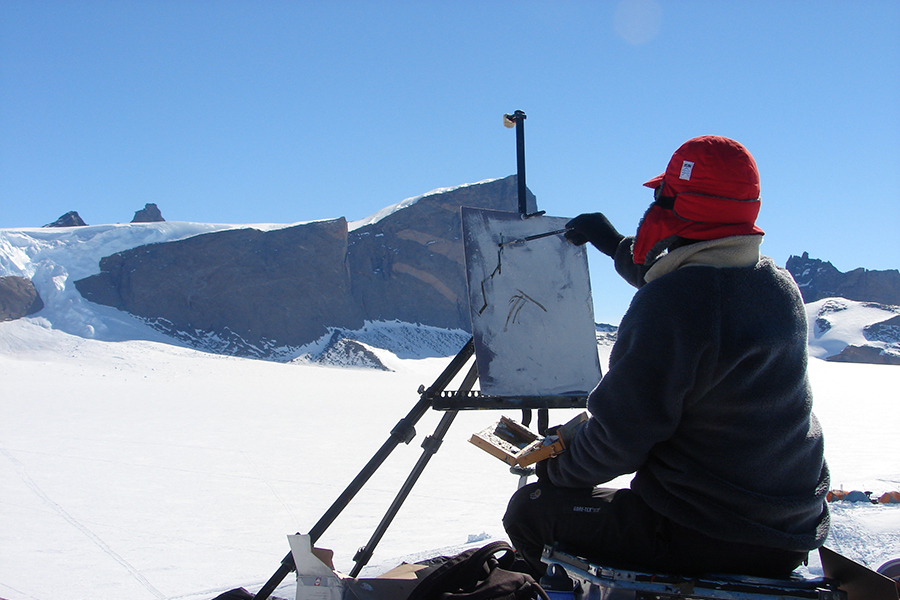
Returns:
(435, 397)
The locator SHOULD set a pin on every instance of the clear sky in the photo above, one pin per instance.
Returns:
(278, 112)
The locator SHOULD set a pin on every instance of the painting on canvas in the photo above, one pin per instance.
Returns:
(531, 307)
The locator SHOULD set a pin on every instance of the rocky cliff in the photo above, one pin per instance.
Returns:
(262, 293)
(819, 279)
(241, 291)
(409, 265)
(18, 298)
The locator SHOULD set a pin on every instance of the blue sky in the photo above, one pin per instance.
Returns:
(262, 112)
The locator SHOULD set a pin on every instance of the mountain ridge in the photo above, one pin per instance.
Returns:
(819, 279)
(327, 291)
(403, 263)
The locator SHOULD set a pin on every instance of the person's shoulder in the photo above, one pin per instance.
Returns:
(687, 280)
(781, 277)
(689, 290)
(766, 263)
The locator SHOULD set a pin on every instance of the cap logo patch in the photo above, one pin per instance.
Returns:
(686, 168)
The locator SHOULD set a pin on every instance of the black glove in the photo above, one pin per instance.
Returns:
(596, 229)
(540, 469)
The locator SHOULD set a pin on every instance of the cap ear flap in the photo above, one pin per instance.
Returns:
(657, 226)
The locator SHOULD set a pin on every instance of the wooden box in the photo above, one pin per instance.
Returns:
(516, 445)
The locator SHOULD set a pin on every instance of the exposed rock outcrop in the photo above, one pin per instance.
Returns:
(149, 214)
(819, 279)
(18, 298)
(275, 288)
(410, 265)
(865, 354)
(341, 351)
(887, 331)
(70, 219)
(253, 293)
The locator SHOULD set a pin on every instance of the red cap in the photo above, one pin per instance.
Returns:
(715, 183)
(713, 166)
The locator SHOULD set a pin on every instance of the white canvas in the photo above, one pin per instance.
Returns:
(531, 307)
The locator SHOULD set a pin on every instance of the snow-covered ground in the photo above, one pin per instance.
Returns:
(131, 467)
(136, 469)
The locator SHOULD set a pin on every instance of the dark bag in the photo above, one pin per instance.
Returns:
(235, 594)
(477, 574)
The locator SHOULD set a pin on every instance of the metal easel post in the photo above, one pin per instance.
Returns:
(517, 120)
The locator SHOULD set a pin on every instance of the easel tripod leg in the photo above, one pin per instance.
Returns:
(430, 447)
(403, 432)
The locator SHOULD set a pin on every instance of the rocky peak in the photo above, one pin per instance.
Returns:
(820, 279)
(149, 214)
(70, 219)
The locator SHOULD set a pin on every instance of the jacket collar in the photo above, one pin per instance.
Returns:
(734, 251)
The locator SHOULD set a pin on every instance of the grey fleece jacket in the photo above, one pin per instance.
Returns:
(707, 401)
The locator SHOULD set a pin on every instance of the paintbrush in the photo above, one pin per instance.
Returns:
(532, 237)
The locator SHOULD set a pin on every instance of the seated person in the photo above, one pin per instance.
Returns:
(706, 400)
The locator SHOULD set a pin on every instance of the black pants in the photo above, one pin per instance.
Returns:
(616, 528)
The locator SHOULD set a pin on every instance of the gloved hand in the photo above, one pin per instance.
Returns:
(596, 229)
(540, 470)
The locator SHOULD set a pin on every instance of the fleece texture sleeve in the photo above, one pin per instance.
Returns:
(624, 262)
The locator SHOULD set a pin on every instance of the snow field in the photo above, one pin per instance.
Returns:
(140, 470)
(131, 467)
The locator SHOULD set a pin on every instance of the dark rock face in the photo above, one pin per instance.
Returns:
(886, 331)
(819, 279)
(410, 265)
(149, 214)
(268, 288)
(865, 354)
(70, 219)
(18, 298)
(247, 292)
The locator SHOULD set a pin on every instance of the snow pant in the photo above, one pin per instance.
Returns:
(615, 528)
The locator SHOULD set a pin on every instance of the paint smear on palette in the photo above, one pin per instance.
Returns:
(531, 307)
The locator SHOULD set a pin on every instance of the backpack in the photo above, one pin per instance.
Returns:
(477, 574)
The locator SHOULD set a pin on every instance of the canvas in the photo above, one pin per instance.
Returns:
(531, 306)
